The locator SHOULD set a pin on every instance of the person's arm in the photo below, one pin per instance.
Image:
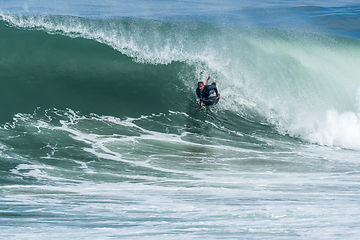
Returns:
(217, 93)
(200, 97)
(213, 86)
(198, 93)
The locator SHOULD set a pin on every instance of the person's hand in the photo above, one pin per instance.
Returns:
(202, 104)
(218, 96)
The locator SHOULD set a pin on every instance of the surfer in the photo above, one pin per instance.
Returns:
(206, 93)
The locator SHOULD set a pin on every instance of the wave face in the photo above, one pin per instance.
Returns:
(129, 67)
(47, 71)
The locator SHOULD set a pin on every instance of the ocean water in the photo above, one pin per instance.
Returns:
(102, 136)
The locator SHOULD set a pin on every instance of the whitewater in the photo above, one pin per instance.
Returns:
(102, 136)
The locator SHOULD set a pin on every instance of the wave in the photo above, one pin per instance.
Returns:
(303, 84)
(40, 70)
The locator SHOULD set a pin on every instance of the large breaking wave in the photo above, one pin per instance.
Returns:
(301, 84)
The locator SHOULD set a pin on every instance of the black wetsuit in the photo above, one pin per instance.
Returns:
(206, 95)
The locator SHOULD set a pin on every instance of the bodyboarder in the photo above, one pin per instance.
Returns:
(208, 94)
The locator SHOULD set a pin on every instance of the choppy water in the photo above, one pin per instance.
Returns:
(101, 135)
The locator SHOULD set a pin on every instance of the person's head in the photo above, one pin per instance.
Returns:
(201, 86)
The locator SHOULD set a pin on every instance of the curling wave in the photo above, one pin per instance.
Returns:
(303, 85)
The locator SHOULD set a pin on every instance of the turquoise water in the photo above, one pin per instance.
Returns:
(101, 135)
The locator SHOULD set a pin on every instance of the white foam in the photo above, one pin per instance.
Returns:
(338, 129)
(36, 171)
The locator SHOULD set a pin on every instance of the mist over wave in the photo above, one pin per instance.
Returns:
(303, 84)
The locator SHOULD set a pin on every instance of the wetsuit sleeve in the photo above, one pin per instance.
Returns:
(216, 91)
(210, 87)
(198, 93)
